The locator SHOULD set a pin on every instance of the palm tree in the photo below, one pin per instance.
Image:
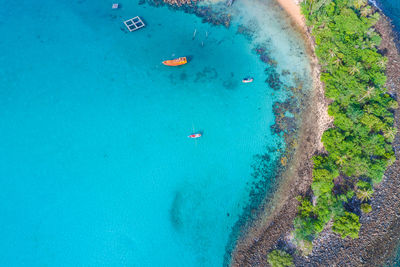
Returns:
(365, 11)
(368, 93)
(364, 194)
(382, 62)
(332, 52)
(389, 132)
(322, 26)
(341, 160)
(359, 3)
(370, 31)
(369, 109)
(353, 70)
(337, 62)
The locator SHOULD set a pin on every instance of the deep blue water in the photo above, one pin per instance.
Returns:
(95, 166)
(391, 8)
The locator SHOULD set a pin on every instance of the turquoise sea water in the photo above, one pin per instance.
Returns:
(96, 167)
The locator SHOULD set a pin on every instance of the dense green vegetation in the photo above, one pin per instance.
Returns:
(359, 146)
(279, 258)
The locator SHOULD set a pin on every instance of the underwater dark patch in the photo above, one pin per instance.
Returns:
(273, 79)
(230, 85)
(206, 13)
(246, 32)
(206, 74)
(175, 212)
(183, 76)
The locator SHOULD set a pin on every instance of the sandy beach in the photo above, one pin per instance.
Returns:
(273, 230)
(292, 8)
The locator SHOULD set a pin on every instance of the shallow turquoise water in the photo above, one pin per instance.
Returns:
(96, 168)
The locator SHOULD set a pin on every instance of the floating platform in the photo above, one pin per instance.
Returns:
(134, 24)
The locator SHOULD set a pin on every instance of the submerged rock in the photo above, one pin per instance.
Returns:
(208, 14)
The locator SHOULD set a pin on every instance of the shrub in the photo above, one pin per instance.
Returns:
(305, 246)
(363, 185)
(320, 188)
(305, 208)
(304, 228)
(366, 208)
(279, 258)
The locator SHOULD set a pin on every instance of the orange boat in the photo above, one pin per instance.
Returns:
(175, 62)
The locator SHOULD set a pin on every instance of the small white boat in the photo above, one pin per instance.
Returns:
(247, 80)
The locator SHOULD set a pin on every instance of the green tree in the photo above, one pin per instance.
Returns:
(279, 258)
(305, 208)
(363, 185)
(347, 225)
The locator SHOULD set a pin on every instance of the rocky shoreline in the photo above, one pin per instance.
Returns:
(272, 229)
